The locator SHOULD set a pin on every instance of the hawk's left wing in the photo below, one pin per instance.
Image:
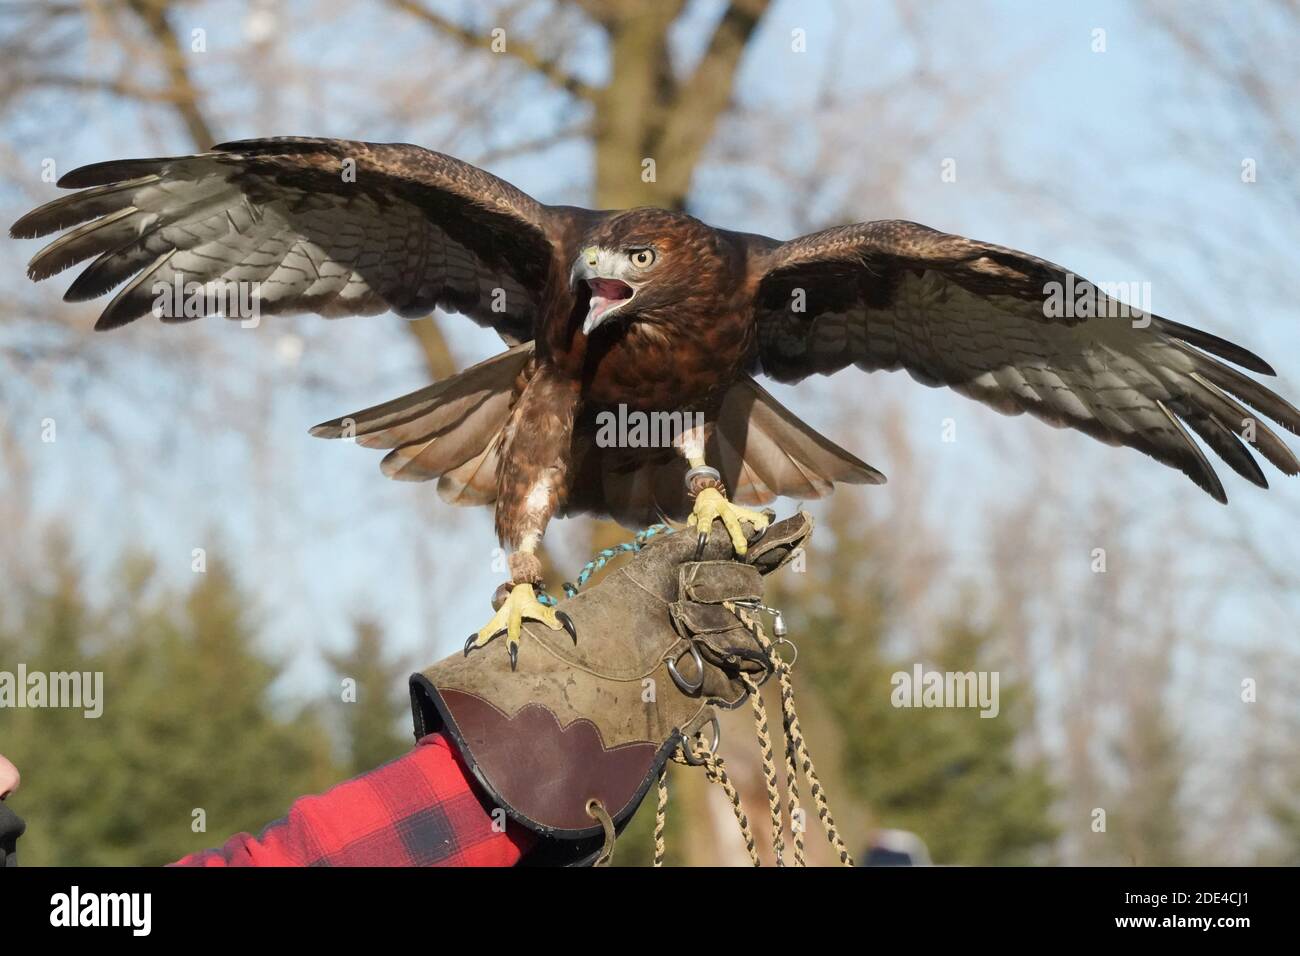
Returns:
(982, 319)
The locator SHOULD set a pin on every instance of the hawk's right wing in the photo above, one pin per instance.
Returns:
(308, 225)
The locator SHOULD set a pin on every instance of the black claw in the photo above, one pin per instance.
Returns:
(568, 626)
(514, 656)
(699, 545)
(469, 644)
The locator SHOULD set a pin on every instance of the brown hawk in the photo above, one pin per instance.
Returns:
(644, 312)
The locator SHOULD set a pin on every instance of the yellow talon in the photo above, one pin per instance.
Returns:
(711, 505)
(509, 619)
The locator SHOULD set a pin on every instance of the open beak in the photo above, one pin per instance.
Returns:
(606, 295)
(609, 294)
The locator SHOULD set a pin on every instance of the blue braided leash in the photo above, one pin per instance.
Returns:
(602, 559)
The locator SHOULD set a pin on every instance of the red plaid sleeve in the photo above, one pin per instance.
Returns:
(419, 810)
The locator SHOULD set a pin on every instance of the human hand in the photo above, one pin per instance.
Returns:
(9, 777)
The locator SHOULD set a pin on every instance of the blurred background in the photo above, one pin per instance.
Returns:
(1140, 141)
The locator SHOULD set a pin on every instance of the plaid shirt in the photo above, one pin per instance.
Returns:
(418, 810)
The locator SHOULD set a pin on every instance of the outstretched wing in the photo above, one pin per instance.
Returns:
(305, 225)
(984, 320)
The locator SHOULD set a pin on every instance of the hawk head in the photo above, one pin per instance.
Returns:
(646, 265)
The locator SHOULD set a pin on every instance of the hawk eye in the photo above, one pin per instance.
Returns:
(642, 258)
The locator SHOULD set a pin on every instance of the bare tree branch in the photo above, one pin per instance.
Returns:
(153, 14)
(92, 84)
(707, 91)
(517, 49)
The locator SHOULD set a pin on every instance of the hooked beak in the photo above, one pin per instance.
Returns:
(609, 294)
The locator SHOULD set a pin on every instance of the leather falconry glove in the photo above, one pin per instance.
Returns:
(570, 742)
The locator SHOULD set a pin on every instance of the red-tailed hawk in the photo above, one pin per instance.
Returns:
(640, 312)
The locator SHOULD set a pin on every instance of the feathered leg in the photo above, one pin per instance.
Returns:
(535, 467)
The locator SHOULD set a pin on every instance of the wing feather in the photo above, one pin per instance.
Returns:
(313, 225)
(982, 320)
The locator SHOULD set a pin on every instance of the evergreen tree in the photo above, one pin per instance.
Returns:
(947, 774)
(188, 737)
(372, 700)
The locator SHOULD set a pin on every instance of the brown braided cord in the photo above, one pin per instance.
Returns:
(794, 736)
(716, 771)
(769, 767)
(792, 786)
(796, 758)
(661, 816)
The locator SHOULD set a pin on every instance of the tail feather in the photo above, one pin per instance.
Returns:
(433, 408)
(761, 448)
(768, 452)
(474, 482)
(450, 447)
(450, 430)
